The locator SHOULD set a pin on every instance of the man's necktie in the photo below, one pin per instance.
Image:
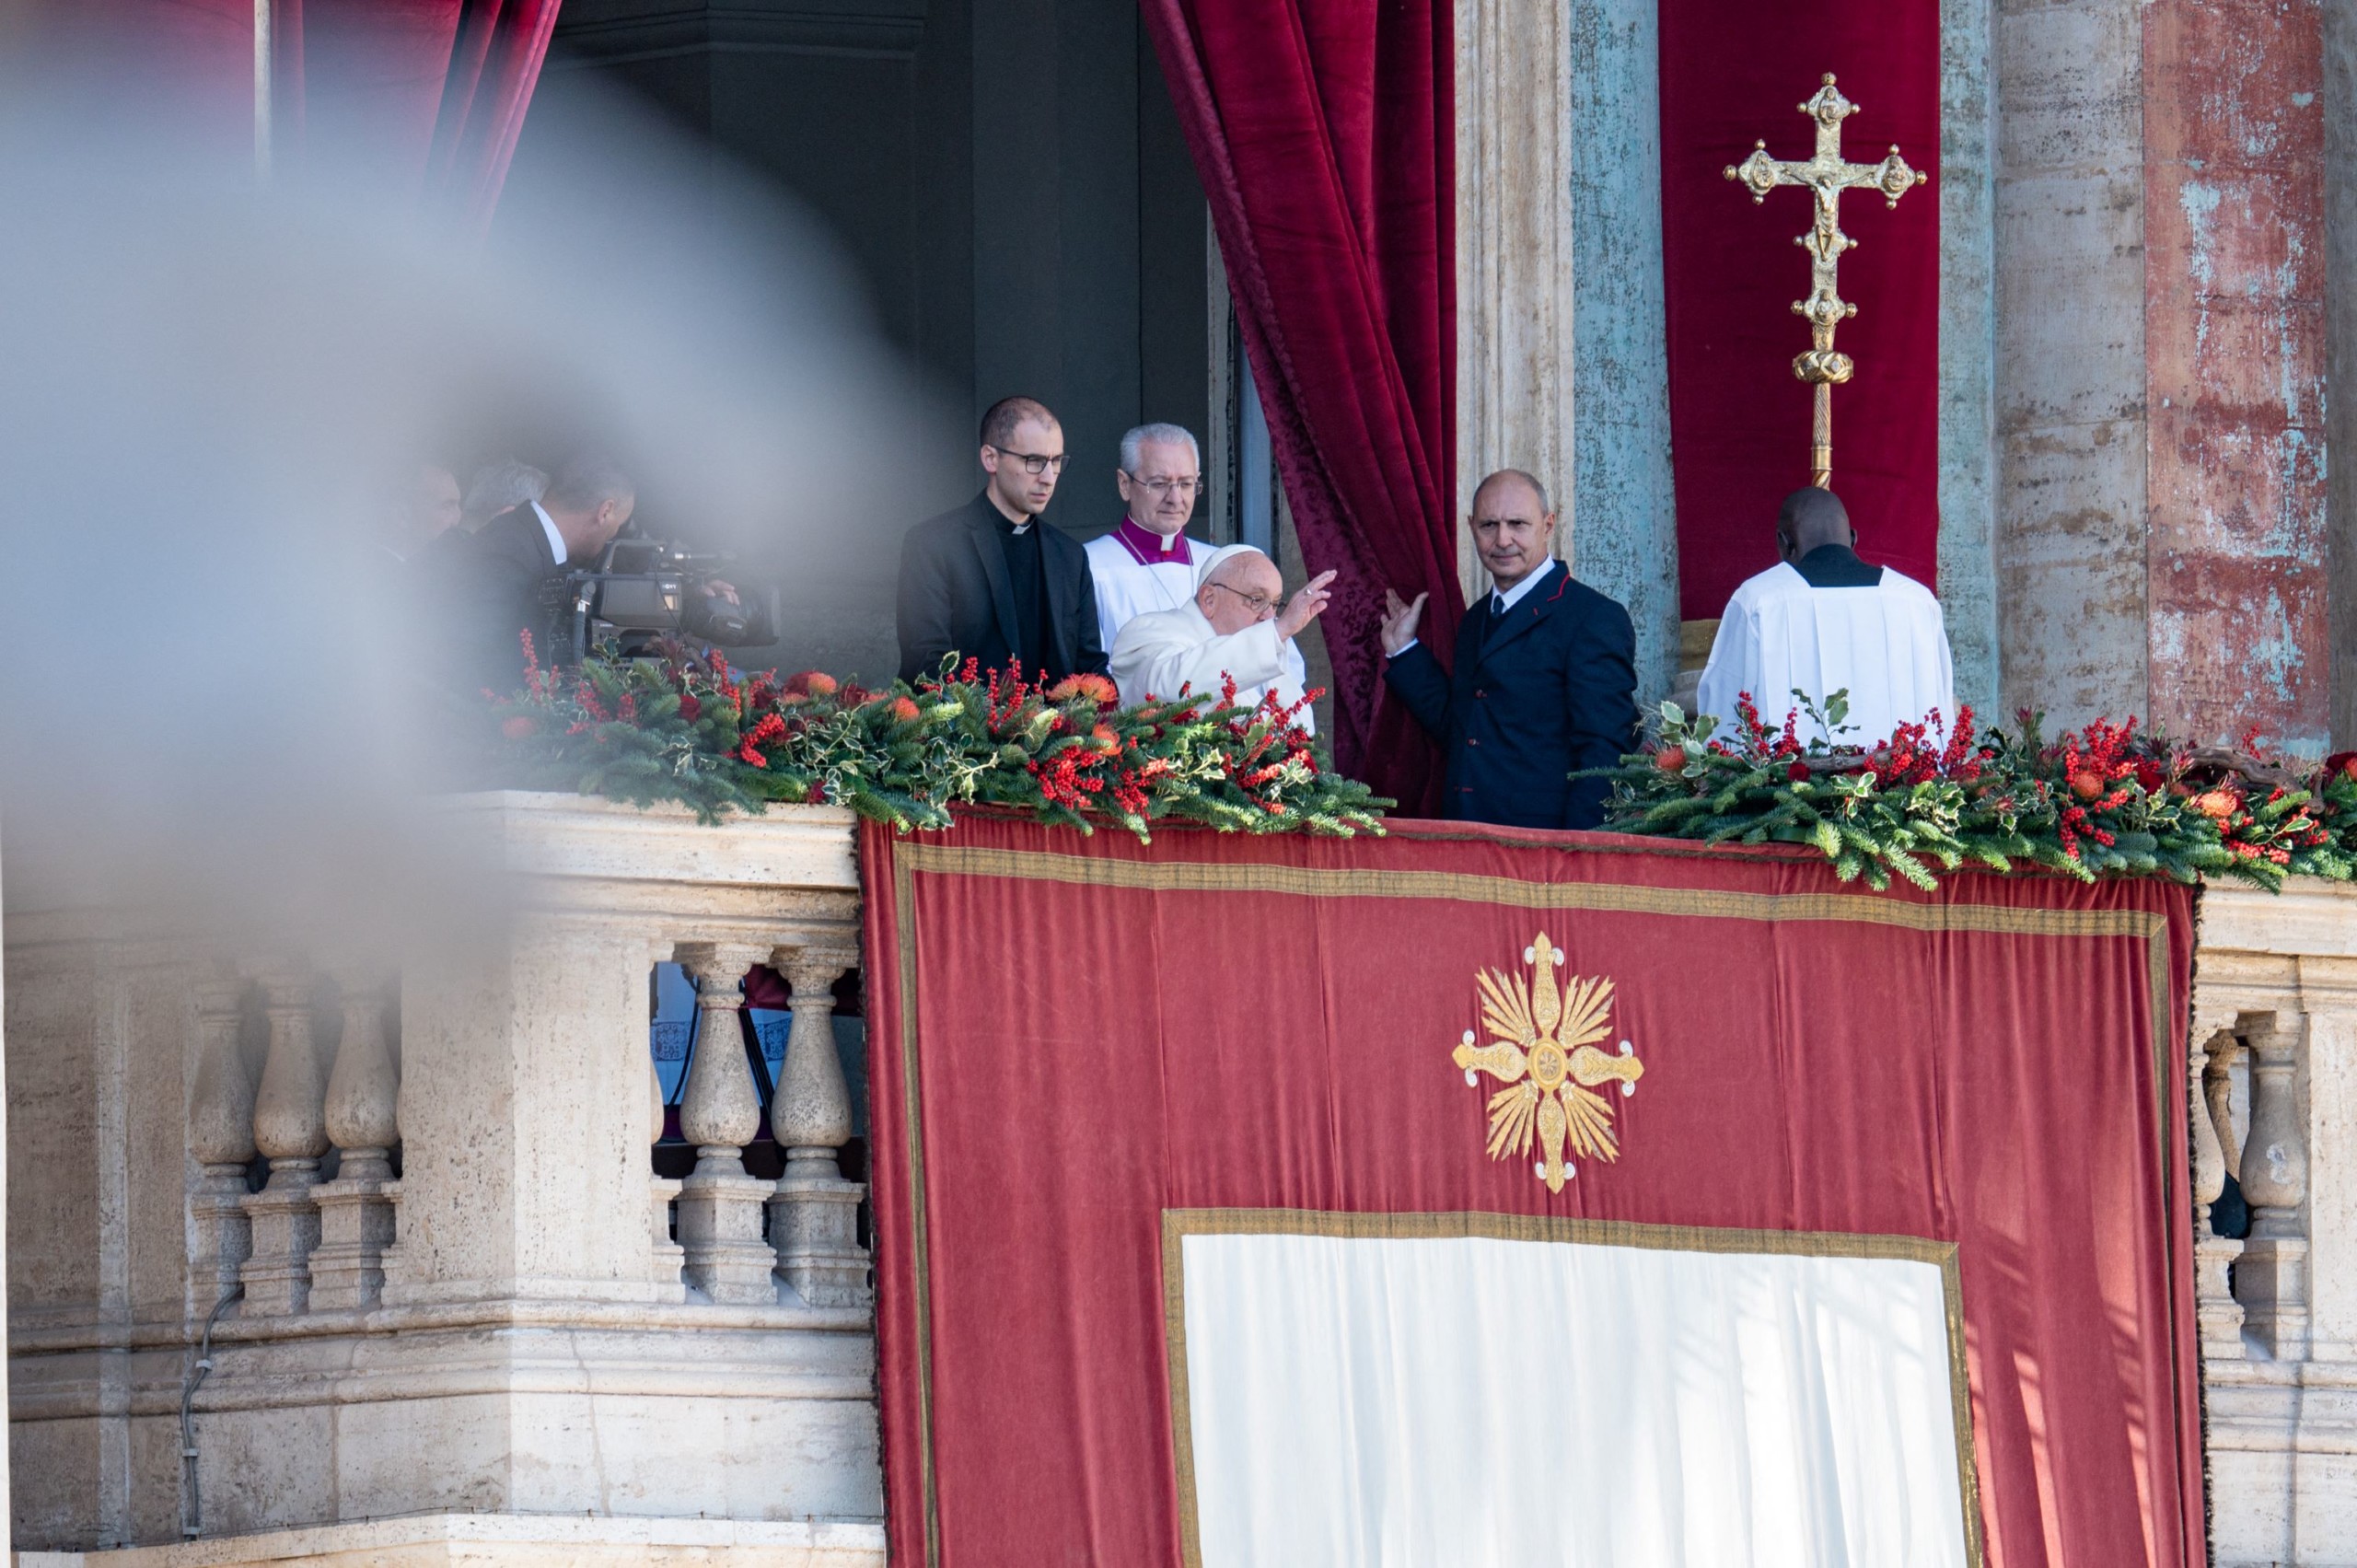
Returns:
(1497, 605)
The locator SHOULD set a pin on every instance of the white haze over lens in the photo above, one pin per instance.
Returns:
(208, 390)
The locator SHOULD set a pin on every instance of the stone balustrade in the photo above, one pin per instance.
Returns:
(416, 1188)
(413, 1193)
(2273, 1087)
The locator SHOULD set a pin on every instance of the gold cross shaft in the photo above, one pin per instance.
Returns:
(1826, 175)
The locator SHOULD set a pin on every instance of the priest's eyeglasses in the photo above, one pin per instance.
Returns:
(1185, 485)
(1261, 605)
(1034, 462)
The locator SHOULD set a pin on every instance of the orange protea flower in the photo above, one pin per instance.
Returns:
(904, 709)
(2217, 803)
(813, 684)
(1101, 736)
(1095, 687)
(521, 727)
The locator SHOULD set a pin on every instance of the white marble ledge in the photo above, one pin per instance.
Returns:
(573, 835)
(35, 1338)
(512, 1540)
(2309, 918)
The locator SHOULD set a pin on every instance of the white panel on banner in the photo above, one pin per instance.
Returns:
(1471, 1400)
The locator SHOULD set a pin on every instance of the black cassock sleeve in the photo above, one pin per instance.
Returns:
(1424, 686)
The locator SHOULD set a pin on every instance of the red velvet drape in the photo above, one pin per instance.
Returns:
(1324, 131)
(1739, 422)
(423, 97)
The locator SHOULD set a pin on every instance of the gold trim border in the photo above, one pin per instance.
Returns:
(909, 855)
(1179, 1223)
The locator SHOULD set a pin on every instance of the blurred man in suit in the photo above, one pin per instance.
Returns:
(1545, 679)
(992, 580)
(509, 577)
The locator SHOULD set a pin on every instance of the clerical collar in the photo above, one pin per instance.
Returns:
(1835, 566)
(1506, 599)
(1008, 525)
(1148, 548)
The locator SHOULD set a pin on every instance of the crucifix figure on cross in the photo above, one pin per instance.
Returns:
(1826, 175)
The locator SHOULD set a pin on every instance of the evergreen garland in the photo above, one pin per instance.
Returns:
(672, 727)
(2105, 801)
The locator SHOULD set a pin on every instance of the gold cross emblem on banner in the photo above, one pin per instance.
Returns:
(1827, 176)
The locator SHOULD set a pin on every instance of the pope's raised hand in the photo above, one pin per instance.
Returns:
(1304, 607)
(1399, 620)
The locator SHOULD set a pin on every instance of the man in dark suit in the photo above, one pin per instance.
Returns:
(991, 580)
(1545, 681)
(508, 578)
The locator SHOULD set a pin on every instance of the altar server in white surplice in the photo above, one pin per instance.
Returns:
(1148, 562)
(1240, 625)
(1826, 621)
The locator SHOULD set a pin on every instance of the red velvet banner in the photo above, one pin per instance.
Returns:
(1739, 422)
(1070, 1035)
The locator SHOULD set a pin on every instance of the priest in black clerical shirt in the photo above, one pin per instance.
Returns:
(990, 581)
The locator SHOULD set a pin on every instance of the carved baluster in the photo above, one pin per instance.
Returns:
(666, 1254)
(720, 1206)
(814, 1216)
(363, 1103)
(2219, 1315)
(221, 1141)
(290, 1128)
(2272, 1278)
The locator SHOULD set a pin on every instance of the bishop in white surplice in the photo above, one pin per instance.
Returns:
(1823, 621)
(1237, 626)
(1148, 562)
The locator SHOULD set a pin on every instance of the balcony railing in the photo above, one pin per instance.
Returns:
(413, 1193)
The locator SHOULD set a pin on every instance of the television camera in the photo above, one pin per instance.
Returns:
(643, 589)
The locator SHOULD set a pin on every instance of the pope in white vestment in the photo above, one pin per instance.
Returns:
(1235, 627)
(1821, 622)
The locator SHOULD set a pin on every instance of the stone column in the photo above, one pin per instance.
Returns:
(814, 1216)
(290, 1128)
(2328, 1080)
(720, 1206)
(221, 1141)
(355, 1211)
(1514, 255)
(2271, 1279)
(2219, 1315)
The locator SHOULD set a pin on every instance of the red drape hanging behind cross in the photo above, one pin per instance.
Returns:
(1739, 422)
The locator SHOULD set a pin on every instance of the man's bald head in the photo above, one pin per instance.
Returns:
(1809, 518)
(1513, 523)
(1509, 487)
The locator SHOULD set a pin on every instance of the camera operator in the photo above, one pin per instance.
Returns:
(509, 577)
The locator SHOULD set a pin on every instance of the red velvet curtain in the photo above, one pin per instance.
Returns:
(1324, 131)
(1739, 422)
(421, 96)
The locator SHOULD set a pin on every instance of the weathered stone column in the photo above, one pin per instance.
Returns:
(720, 1206)
(221, 1141)
(814, 1216)
(2219, 1317)
(1513, 254)
(2271, 1279)
(355, 1212)
(290, 1128)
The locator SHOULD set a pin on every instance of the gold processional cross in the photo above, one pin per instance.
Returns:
(1828, 176)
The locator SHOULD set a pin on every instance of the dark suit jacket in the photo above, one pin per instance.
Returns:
(488, 586)
(1550, 689)
(956, 596)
